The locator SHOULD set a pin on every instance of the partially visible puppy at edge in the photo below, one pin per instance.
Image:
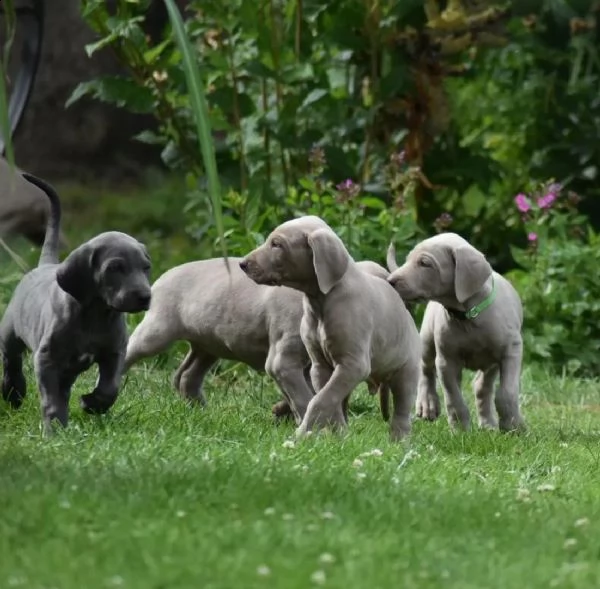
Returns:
(473, 320)
(226, 315)
(71, 315)
(354, 326)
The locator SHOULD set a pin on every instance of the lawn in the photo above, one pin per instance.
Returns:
(160, 495)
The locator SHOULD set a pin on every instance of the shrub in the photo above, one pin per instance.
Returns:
(557, 280)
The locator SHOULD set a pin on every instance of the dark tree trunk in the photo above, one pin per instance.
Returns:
(89, 140)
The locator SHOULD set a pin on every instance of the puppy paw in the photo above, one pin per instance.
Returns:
(96, 404)
(428, 407)
(282, 411)
(400, 429)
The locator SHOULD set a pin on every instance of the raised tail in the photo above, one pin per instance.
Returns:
(391, 258)
(49, 253)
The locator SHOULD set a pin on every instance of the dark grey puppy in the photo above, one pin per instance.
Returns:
(71, 315)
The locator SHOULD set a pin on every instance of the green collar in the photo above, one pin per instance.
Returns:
(476, 310)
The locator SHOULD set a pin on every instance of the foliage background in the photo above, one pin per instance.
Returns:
(439, 112)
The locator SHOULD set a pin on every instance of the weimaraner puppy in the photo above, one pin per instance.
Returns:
(354, 326)
(472, 320)
(228, 316)
(72, 314)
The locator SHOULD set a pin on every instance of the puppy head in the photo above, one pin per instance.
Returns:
(303, 253)
(113, 268)
(443, 268)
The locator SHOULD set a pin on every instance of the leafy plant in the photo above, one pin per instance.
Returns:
(559, 289)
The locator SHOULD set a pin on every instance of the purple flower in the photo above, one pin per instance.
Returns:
(554, 188)
(532, 237)
(522, 203)
(443, 222)
(345, 186)
(347, 190)
(545, 202)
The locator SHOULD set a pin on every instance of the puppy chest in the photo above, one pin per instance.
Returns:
(328, 345)
(478, 357)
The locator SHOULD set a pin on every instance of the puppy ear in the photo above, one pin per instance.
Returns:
(75, 275)
(470, 273)
(330, 258)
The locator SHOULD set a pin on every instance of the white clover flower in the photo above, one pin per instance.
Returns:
(546, 487)
(326, 558)
(318, 578)
(263, 570)
(289, 444)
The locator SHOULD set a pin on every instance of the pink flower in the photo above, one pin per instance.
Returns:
(545, 202)
(522, 203)
(532, 237)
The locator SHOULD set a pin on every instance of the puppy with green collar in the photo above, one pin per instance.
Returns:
(473, 320)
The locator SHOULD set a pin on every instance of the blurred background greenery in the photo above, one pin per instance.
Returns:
(392, 119)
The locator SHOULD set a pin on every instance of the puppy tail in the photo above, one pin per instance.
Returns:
(391, 258)
(49, 254)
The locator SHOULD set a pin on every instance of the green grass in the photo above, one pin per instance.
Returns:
(159, 494)
(162, 495)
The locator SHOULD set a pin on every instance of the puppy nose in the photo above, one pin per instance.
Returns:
(244, 265)
(144, 299)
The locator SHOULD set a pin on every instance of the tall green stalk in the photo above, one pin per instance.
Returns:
(200, 110)
(10, 18)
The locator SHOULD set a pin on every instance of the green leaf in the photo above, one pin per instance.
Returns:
(314, 96)
(150, 138)
(201, 117)
(473, 200)
(5, 130)
(126, 29)
(122, 92)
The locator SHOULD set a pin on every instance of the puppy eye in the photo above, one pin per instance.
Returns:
(116, 266)
(425, 262)
(275, 243)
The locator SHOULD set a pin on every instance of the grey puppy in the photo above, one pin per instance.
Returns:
(354, 326)
(70, 315)
(226, 315)
(472, 320)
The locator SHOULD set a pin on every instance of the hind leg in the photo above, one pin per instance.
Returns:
(14, 387)
(152, 336)
(403, 386)
(190, 375)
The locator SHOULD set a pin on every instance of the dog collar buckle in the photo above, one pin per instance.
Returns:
(475, 311)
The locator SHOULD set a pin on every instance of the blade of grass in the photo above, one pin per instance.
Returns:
(200, 110)
(10, 17)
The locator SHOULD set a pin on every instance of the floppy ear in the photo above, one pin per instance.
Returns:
(470, 273)
(330, 258)
(75, 275)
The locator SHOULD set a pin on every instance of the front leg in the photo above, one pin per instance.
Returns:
(325, 408)
(54, 400)
(110, 371)
(450, 372)
(507, 395)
